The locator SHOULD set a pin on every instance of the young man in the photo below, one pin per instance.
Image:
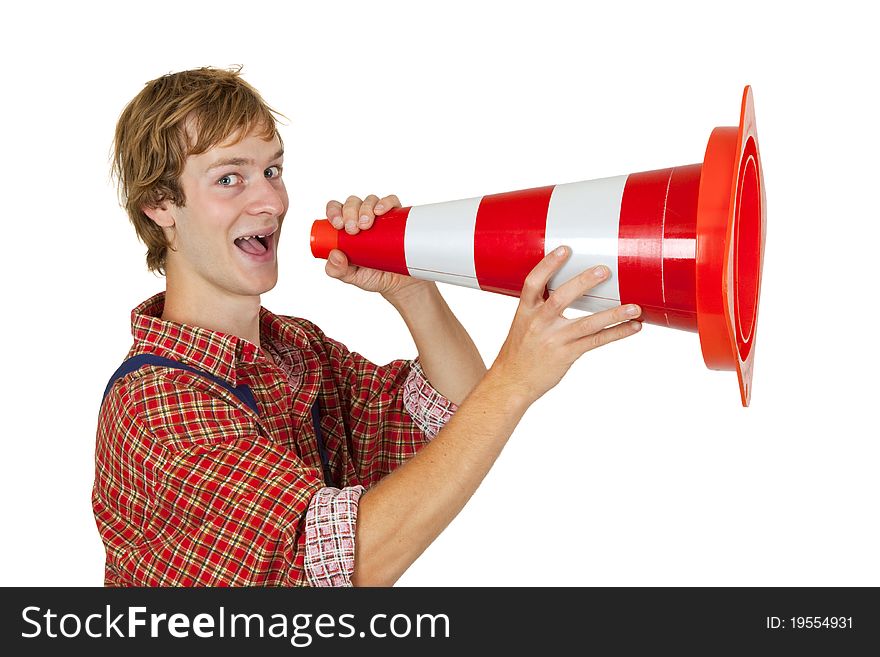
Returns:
(251, 449)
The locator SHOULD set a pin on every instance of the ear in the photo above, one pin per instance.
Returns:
(160, 213)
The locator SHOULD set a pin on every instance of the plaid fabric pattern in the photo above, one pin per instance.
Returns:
(332, 514)
(428, 408)
(192, 488)
(330, 529)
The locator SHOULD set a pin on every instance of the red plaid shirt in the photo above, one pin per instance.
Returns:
(193, 488)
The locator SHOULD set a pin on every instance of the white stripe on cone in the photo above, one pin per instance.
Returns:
(439, 242)
(586, 217)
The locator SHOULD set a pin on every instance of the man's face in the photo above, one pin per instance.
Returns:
(226, 236)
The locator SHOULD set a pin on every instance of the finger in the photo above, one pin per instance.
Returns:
(350, 214)
(334, 214)
(337, 265)
(366, 214)
(390, 201)
(603, 337)
(594, 323)
(563, 296)
(533, 287)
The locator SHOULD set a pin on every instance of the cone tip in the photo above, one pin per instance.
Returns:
(324, 238)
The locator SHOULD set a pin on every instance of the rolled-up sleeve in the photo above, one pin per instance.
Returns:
(330, 526)
(428, 408)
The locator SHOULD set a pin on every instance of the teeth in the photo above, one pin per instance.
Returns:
(251, 237)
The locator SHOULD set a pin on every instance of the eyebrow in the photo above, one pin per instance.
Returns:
(238, 161)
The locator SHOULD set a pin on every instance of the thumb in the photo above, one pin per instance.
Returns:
(338, 267)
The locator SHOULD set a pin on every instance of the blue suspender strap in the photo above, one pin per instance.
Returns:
(242, 393)
(325, 460)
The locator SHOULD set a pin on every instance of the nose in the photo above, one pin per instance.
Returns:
(268, 197)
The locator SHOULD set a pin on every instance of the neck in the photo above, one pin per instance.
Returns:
(217, 310)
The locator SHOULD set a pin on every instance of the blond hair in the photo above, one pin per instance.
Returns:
(174, 116)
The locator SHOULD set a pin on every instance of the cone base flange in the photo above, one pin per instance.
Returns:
(731, 229)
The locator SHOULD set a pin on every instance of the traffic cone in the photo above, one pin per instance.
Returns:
(686, 243)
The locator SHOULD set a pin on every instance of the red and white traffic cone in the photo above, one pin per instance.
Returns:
(686, 243)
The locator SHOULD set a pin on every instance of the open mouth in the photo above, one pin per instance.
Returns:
(255, 245)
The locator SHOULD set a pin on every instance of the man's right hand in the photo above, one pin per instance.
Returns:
(542, 343)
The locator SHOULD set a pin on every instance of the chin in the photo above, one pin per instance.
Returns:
(261, 287)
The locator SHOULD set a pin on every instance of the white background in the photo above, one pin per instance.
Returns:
(641, 467)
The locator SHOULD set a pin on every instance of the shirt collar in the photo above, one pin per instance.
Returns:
(214, 352)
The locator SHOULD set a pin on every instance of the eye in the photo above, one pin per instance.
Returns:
(273, 171)
(229, 180)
